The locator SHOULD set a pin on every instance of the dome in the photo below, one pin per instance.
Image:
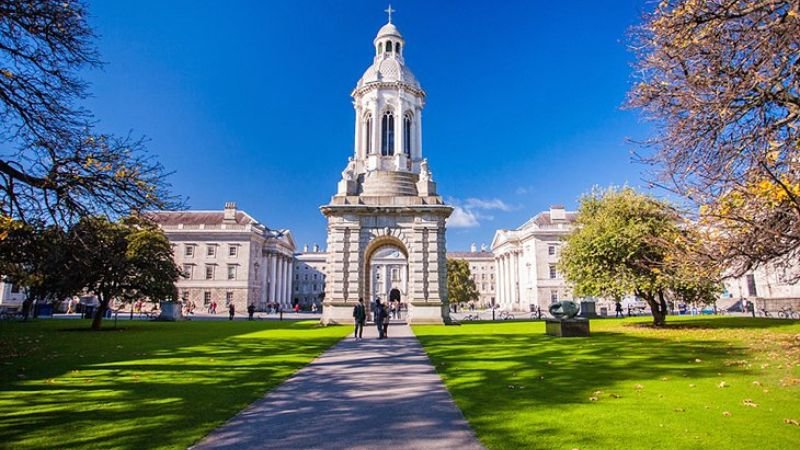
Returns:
(389, 30)
(388, 70)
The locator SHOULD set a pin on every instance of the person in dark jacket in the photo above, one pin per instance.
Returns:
(251, 309)
(231, 311)
(359, 316)
(380, 317)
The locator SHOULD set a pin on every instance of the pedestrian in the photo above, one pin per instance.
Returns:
(618, 309)
(386, 321)
(251, 309)
(359, 316)
(380, 316)
(231, 311)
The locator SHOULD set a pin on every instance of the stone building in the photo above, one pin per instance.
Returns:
(526, 261)
(229, 257)
(308, 283)
(482, 269)
(386, 200)
(11, 296)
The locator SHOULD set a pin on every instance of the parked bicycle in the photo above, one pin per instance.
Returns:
(505, 315)
(788, 313)
(472, 317)
(762, 312)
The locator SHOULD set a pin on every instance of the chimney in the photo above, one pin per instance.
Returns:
(229, 214)
(557, 213)
(316, 248)
(305, 248)
(473, 248)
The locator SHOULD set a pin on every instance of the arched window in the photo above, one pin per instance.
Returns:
(397, 47)
(387, 134)
(380, 47)
(407, 134)
(368, 132)
(389, 46)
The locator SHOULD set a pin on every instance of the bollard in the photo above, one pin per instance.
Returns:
(281, 315)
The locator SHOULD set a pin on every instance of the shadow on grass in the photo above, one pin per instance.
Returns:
(152, 385)
(514, 373)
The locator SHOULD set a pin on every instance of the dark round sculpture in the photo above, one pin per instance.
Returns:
(565, 309)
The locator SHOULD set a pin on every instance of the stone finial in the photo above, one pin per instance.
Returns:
(229, 213)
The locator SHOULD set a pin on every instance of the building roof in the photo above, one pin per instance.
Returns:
(543, 218)
(198, 217)
(470, 255)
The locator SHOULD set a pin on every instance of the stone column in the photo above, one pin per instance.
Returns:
(357, 134)
(417, 149)
(272, 276)
(398, 129)
(281, 280)
(507, 270)
(289, 272)
(516, 277)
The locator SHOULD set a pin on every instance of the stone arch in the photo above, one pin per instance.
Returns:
(377, 242)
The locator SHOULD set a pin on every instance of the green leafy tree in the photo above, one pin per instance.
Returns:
(460, 285)
(124, 260)
(37, 259)
(625, 242)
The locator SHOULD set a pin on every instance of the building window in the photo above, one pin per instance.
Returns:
(314, 289)
(296, 288)
(387, 134)
(188, 251)
(553, 272)
(206, 297)
(397, 47)
(551, 250)
(231, 272)
(380, 47)
(15, 288)
(395, 274)
(187, 270)
(407, 134)
(232, 250)
(751, 286)
(306, 277)
(209, 272)
(315, 276)
(211, 250)
(368, 133)
(296, 277)
(553, 296)
(185, 295)
(491, 276)
(228, 298)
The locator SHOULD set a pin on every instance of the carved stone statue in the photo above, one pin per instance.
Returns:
(424, 172)
(565, 309)
(348, 174)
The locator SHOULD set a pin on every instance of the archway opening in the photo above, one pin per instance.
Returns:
(386, 276)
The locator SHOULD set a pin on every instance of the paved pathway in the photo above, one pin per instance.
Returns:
(368, 394)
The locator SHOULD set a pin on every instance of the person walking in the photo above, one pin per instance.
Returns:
(386, 321)
(251, 309)
(231, 311)
(380, 316)
(618, 310)
(359, 316)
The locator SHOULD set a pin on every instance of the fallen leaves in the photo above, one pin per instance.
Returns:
(750, 403)
(723, 384)
(792, 422)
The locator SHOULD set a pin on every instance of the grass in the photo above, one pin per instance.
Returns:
(716, 383)
(151, 385)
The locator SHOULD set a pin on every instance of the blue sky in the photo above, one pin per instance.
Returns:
(248, 101)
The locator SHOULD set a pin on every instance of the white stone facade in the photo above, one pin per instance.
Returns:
(228, 257)
(526, 261)
(770, 286)
(482, 269)
(310, 273)
(387, 198)
(11, 296)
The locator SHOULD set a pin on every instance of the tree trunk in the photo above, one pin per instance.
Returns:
(101, 311)
(26, 308)
(655, 308)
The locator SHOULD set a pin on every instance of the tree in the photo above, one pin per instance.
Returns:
(53, 165)
(125, 260)
(38, 260)
(625, 242)
(721, 82)
(460, 285)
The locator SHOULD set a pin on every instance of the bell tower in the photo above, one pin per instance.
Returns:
(386, 196)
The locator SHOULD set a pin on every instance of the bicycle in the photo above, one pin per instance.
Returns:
(764, 313)
(788, 313)
(505, 315)
(472, 317)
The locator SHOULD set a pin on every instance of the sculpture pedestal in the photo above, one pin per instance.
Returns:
(170, 311)
(567, 327)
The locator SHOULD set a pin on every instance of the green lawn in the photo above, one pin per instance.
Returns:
(150, 385)
(717, 383)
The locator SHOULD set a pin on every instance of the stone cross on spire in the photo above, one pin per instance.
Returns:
(389, 11)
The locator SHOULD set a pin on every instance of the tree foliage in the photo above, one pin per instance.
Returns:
(125, 260)
(460, 285)
(721, 81)
(628, 243)
(54, 166)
